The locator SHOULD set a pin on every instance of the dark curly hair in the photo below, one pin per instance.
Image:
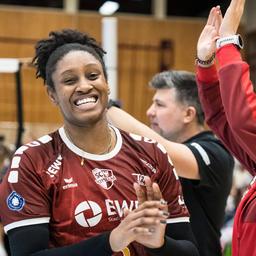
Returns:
(50, 50)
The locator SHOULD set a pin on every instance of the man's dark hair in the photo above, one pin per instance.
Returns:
(185, 86)
(50, 50)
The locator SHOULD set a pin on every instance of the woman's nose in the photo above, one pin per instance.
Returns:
(84, 85)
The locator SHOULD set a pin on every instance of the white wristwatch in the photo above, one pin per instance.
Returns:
(235, 39)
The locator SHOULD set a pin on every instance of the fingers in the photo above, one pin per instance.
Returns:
(149, 189)
(157, 191)
(210, 20)
(218, 19)
(146, 220)
(145, 217)
(144, 193)
(140, 193)
(150, 192)
(126, 212)
(143, 231)
(160, 205)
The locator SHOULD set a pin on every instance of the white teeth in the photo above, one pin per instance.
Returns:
(86, 100)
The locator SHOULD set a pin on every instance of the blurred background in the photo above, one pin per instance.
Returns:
(172, 7)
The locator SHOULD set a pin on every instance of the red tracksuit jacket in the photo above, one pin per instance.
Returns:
(229, 104)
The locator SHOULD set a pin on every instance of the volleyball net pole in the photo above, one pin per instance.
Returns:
(13, 66)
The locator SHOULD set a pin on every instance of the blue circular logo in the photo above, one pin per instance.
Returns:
(15, 202)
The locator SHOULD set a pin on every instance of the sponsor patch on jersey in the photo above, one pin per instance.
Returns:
(104, 177)
(53, 170)
(94, 211)
(15, 202)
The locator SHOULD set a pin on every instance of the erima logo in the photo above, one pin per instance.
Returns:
(55, 167)
(69, 183)
(94, 210)
(104, 177)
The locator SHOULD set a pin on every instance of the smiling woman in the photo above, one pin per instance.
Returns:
(88, 188)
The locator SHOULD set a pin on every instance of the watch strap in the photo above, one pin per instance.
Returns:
(235, 39)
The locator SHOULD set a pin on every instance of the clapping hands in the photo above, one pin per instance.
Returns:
(146, 224)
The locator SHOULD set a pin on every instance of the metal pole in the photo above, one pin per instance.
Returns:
(109, 44)
(159, 8)
(19, 104)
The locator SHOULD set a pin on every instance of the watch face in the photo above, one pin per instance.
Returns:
(241, 43)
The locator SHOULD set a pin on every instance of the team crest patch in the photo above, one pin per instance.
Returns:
(104, 177)
(15, 202)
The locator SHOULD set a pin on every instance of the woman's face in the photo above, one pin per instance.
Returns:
(80, 88)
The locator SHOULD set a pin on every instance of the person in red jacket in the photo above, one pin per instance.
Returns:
(229, 103)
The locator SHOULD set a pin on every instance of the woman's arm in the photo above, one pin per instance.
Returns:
(33, 240)
(183, 159)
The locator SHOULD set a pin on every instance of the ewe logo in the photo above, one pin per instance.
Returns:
(93, 208)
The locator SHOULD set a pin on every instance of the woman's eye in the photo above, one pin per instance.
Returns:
(69, 81)
(93, 76)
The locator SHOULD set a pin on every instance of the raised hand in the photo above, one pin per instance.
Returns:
(232, 18)
(206, 44)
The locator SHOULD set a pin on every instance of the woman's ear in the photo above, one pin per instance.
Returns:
(52, 94)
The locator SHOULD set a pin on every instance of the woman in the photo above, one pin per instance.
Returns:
(66, 192)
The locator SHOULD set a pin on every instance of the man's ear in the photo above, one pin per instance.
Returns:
(108, 90)
(190, 114)
(52, 94)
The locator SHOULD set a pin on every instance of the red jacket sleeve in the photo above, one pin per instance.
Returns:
(223, 103)
(239, 99)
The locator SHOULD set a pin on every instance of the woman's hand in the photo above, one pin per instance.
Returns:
(151, 191)
(139, 225)
(232, 18)
(206, 44)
